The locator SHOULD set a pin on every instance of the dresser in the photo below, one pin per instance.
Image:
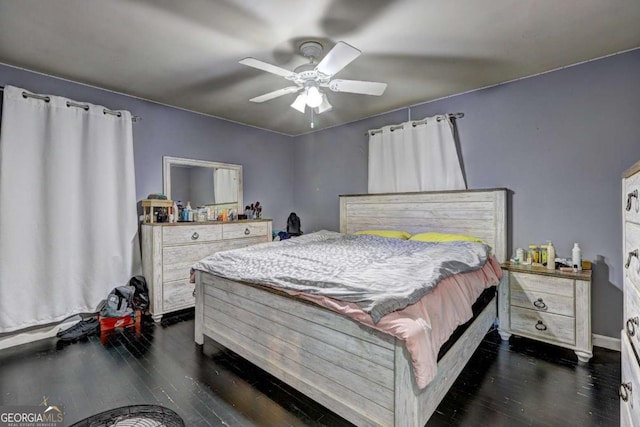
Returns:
(630, 387)
(169, 251)
(547, 305)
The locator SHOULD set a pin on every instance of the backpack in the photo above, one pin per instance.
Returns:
(293, 224)
(124, 300)
(119, 302)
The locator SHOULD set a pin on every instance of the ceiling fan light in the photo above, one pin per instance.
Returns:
(324, 106)
(300, 103)
(314, 97)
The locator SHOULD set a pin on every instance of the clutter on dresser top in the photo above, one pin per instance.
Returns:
(541, 256)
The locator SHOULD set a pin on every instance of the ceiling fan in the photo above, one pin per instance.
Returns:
(311, 78)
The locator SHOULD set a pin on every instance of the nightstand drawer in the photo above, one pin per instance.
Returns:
(547, 326)
(542, 301)
(182, 234)
(244, 229)
(524, 282)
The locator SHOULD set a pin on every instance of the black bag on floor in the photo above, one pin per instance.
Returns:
(141, 294)
(293, 224)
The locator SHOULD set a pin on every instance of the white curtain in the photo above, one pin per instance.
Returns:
(68, 219)
(423, 157)
(225, 186)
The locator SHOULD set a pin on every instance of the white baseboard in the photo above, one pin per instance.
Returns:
(35, 334)
(606, 342)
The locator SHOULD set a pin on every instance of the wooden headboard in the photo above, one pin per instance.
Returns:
(478, 213)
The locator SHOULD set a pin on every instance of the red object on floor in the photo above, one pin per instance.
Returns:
(110, 324)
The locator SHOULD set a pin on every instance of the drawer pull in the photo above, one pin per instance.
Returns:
(625, 391)
(540, 304)
(630, 196)
(247, 231)
(631, 255)
(541, 326)
(195, 236)
(632, 323)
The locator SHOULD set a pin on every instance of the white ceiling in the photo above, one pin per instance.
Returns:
(185, 53)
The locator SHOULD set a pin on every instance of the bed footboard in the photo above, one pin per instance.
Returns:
(357, 372)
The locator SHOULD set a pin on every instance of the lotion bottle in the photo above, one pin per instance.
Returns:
(576, 257)
(551, 256)
(174, 213)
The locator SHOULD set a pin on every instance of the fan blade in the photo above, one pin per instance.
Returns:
(358, 86)
(276, 93)
(269, 68)
(337, 58)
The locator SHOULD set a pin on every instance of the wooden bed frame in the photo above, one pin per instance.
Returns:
(359, 373)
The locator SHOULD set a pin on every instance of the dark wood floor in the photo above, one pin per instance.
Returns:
(505, 384)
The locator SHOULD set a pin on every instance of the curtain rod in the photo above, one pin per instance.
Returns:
(415, 123)
(75, 104)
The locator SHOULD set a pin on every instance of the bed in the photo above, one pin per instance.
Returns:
(358, 372)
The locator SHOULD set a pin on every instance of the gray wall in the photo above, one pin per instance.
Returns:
(266, 157)
(560, 141)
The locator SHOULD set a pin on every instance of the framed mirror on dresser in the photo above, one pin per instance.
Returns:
(170, 249)
(203, 183)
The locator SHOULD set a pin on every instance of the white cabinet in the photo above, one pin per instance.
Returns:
(169, 251)
(547, 305)
(630, 386)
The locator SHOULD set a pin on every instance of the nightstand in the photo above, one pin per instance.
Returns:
(547, 305)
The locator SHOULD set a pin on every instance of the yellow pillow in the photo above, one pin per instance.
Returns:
(434, 236)
(393, 234)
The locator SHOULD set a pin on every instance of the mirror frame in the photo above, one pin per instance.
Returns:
(168, 161)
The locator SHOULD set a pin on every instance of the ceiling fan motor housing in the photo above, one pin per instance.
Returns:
(311, 49)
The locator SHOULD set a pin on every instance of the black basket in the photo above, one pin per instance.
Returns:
(134, 416)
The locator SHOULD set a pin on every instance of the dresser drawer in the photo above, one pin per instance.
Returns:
(630, 384)
(524, 282)
(177, 295)
(632, 253)
(242, 243)
(182, 234)
(546, 326)
(177, 260)
(542, 301)
(632, 313)
(244, 229)
(632, 185)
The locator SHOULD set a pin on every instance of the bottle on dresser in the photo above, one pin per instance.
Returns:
(180, 209)
(551, 256)
(576, 257)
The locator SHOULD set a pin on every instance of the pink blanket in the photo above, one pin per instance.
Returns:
(426, 325)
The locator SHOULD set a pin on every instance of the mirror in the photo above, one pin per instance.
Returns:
(203, 183)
